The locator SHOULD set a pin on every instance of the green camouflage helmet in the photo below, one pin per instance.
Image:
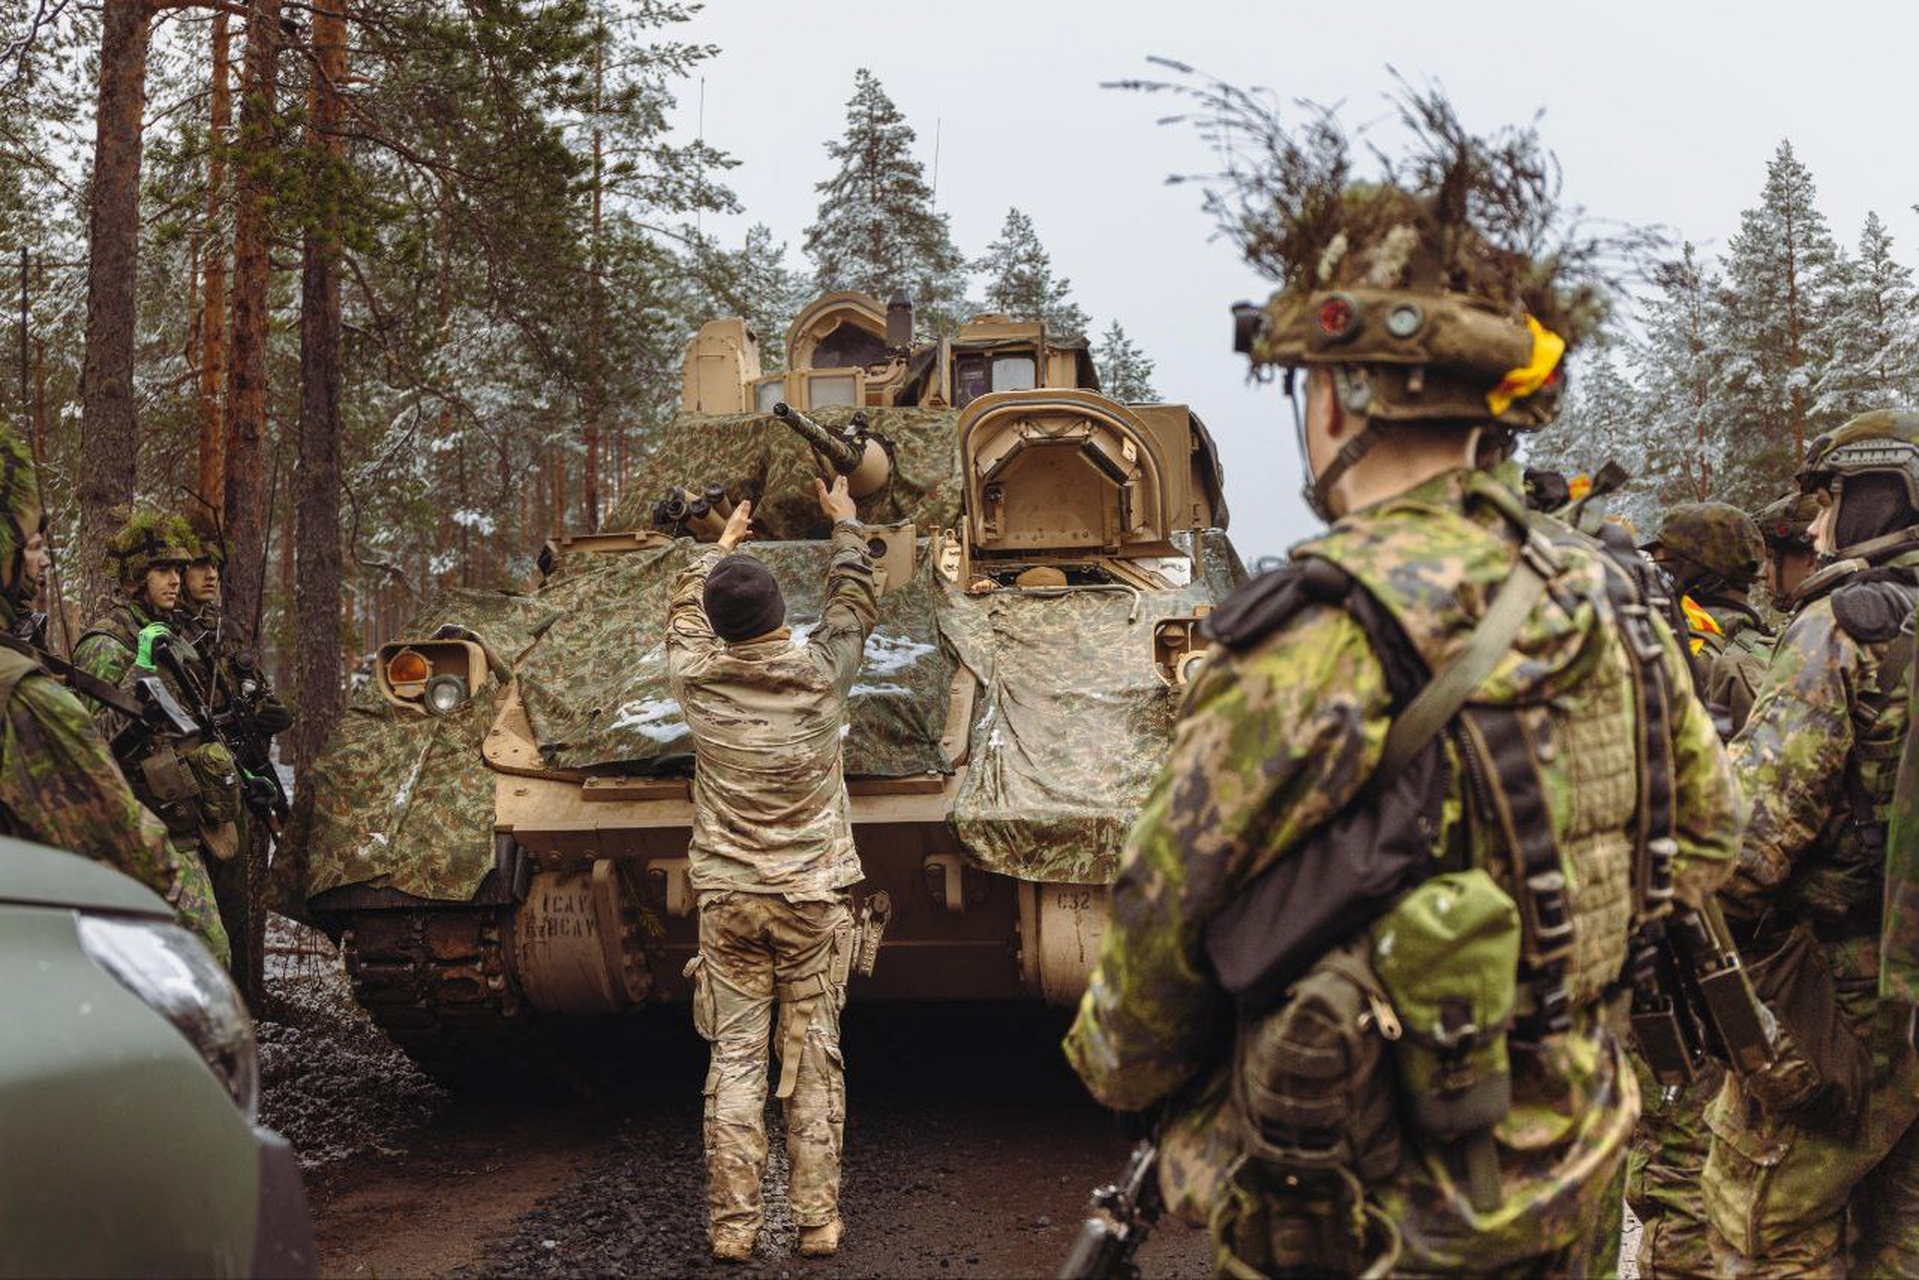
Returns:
(1786, 522)
(20, 492)
(1883, 441)
(148, 540)
(209, 538)
(1717, 537)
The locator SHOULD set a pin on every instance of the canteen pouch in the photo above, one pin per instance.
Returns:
(1447, 958)
(172, 790)
(1823, 1071)
(1311, 1090)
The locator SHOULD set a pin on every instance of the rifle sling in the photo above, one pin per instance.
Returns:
(78, 680)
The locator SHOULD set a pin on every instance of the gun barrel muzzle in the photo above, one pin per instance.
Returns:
(842, 455)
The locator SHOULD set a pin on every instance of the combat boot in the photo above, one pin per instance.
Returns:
(732, 1248)
(822, 1241)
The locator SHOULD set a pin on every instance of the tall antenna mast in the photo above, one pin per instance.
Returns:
(936, 160)
(699, 156)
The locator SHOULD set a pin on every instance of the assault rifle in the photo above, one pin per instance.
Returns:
(146, 708)
(228, 714)
(1692, 999)
(1106, 1245)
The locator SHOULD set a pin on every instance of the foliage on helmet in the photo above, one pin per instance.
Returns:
(149, 538)
(1880, 440)
(208, 537)
(1455, 275)
(1718, 537)
(20, 491)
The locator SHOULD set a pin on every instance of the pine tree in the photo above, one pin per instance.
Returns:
(1676, 364)
(1020, 280)
(752, 282)
(1600, 422)
(1782, 270)
(877, 230)
(1875, 353)
(1125, 372)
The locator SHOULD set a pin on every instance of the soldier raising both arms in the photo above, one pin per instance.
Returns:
(59, 784)
(1396, 855)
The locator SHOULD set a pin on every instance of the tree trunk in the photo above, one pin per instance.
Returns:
(108, 436)
(247, 373)
(213, 303)
(594, 398)
(318, 608)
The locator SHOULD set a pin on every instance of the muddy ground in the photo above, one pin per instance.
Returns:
(970, 1149)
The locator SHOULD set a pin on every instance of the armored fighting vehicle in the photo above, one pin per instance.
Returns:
(497, 835)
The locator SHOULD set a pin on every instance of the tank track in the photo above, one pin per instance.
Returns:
(437, 981)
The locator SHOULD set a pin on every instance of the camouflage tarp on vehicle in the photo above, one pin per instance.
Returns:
(596, 687)
(756, 453)
(403, 801)
(1071, 722)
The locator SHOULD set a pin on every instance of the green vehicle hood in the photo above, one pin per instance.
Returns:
(36, 875)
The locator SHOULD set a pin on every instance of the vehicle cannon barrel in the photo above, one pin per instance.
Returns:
(861, 458)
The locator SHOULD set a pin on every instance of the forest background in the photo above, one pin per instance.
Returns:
(402, 286)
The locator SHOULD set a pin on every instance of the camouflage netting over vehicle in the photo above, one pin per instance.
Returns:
(500, 825)
(755, 453)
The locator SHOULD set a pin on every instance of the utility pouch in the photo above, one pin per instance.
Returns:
(1823, 1071)
(172, 790)
(217, 779)
(1448, 958)
(1310, 1084)
(874, 913)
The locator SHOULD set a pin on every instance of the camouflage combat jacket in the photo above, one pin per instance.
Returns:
(1818, 758)
(767, 715)
(1276, 740)
(205, 806)
(60, 786)
(1733, 655)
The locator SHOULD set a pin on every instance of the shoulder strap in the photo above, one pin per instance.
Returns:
(77, 679)
(1446, 693)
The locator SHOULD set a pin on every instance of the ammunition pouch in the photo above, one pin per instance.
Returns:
(1823, 1071)
(171, 788)
(1309, 1082)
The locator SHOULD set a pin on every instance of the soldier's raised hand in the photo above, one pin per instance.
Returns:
(835, 503)
(739, 526)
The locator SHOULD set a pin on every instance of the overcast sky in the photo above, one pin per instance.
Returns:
(1659, 112)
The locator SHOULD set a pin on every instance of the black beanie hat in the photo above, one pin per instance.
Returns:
(742, 599)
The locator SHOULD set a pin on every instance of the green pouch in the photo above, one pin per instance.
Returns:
(218, 779)
(1448, 958)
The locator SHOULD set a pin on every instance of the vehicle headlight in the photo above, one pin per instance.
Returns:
(178, 978)
(444, 694)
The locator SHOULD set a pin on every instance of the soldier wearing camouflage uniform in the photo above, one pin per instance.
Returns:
(1285, 728)
(1714, 552)
(59, 784)
(194, 787)
(1786, 526)
(772, 858)
(1822, 1145)
(224, 668)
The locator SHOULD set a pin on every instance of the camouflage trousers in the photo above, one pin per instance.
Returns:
(1800, 1195)
(759, 952)
(1668, 1161)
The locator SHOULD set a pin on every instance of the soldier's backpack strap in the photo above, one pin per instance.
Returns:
(1381, 844)
(1876, 609)
(75, 678)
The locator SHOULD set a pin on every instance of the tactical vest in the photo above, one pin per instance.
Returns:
(1582, 855)
(1840, 889)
